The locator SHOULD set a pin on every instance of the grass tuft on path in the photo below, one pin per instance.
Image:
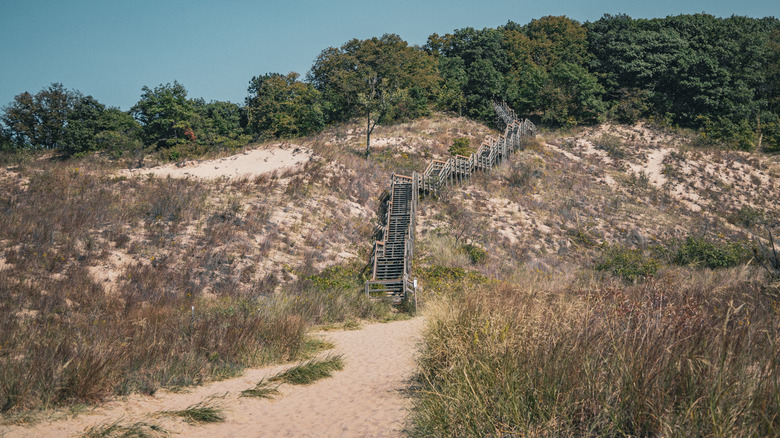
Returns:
(139, 429)
(261, 390)
(310, 371)
(199, 413)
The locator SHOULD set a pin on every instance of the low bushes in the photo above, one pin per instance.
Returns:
(629, 264)
(699, 251)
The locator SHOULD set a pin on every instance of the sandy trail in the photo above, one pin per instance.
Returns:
(367, 398)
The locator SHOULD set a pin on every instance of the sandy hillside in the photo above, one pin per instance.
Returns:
(276, 157)
(367, 398)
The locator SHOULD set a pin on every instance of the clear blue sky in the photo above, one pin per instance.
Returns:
(110, 48)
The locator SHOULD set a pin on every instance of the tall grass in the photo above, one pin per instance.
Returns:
(675, 356)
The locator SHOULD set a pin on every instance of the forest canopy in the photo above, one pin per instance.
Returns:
(719, 76)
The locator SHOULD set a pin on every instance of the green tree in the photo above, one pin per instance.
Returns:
(472, 66)
(696, 70)
(555, 40)
(20, 120)
(572, 96)
(38, 121)
(165, 114)
(378, 78)
(453, 82)
(6, 144)
(282, 106)
(91, 126)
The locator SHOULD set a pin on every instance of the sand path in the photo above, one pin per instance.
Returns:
(367, 398)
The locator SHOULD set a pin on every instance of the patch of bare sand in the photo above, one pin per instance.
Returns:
(254, 162)
(367, 398)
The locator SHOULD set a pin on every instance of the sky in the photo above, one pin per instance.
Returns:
(111, 49)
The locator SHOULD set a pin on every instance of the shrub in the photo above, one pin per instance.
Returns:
(698, 250)
(521, 174)
(475, 253)
(747, 217)
(612, 145)
(461, 146)
(629, 264)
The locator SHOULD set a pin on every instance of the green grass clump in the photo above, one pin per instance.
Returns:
(476, 254)
(116, 430)
(310, 371)
(261, 390)
(313, 345)
(699, 251)
(629, 264)
(461, 146)
(199, 413)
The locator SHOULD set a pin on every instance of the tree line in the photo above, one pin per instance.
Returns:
(720, 76)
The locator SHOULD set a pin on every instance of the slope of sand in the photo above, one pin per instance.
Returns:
(366, 398)
(254, 162)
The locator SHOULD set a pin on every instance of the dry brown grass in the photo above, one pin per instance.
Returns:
(99, 275)
(689, 353)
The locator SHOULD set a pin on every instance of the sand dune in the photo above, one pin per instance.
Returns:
(278, 157)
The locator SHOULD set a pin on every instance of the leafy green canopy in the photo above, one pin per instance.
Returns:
(57, 118)
(282, 106)
(537, 68)
(698, 71)
(378, 74)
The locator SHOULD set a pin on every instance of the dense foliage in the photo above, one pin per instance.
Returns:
(720, 76)
(283, 106)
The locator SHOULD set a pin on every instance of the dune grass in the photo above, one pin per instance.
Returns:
(311, 371)
(261, 390)
(200, 413)
(118, 430)
(687, 353)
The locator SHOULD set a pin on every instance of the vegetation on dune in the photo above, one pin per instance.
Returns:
(261, 390)
(601, 309)
(119, 430)
(67, 337)
(684, 354)
(204, 412)
(568, 298)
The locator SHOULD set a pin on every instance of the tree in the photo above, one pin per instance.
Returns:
(6, 144)
(472, 65)
(453, 82)
(39, 121)
(91, 126)
(557, 40)
(282, 106)
(165, 114)
(20, 119)
(377, 78)
(572, 95)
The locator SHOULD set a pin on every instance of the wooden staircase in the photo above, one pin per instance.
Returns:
(392, 260)
(393, 252)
